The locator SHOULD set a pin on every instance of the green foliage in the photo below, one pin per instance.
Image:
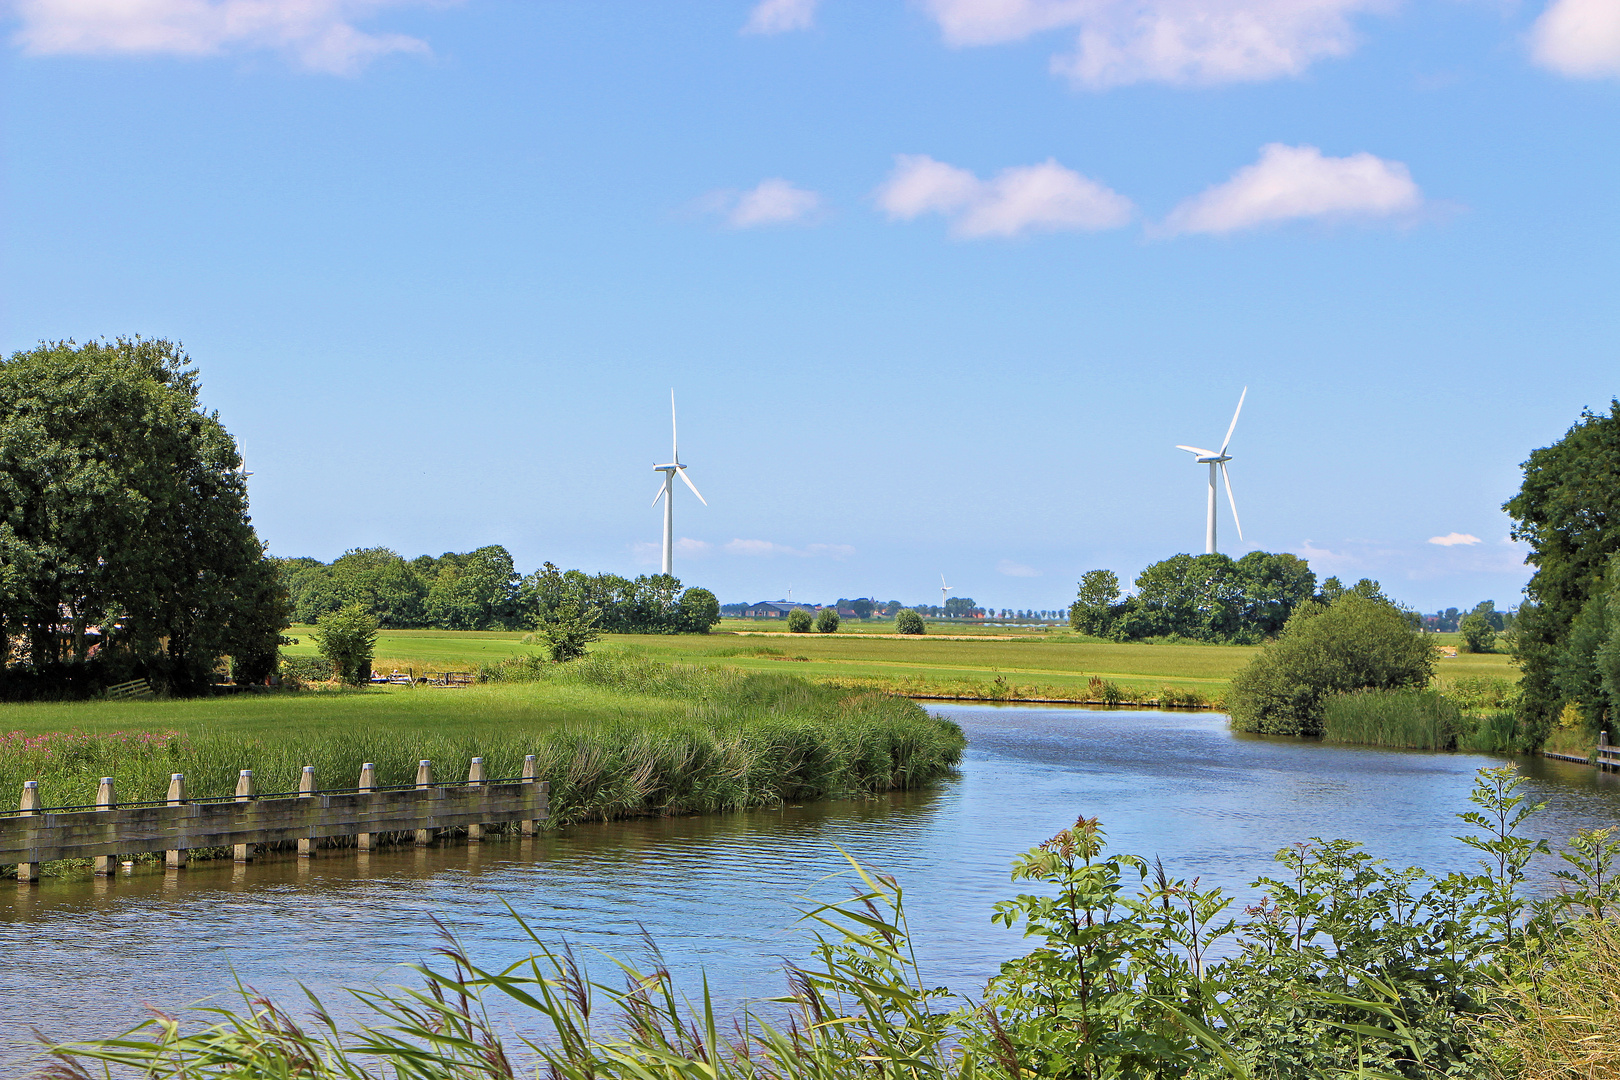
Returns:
(1344, 968)
(347, 638)
(907, 621)
(698, 611)
(1478, 634)
(1416, 719)
(1091, 612)
(1352, 644)
(567, 630)
(827, 621)
(799, 621)
(123, 513)
(306, 669)
(475, 591)
(649, 604)
(1198, 597)
(1566, 510)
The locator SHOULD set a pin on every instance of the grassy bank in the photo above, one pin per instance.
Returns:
(615, 736)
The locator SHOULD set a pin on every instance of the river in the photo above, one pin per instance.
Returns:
(719, 894)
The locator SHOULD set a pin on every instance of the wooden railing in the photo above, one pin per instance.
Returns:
(34, 834)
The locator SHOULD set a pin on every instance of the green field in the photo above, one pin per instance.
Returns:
(1057, 664)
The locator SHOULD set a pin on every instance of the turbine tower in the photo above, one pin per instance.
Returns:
(1217, 459)
(667, 491)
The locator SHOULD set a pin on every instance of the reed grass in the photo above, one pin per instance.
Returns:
(615, 736)
(1414, 719)
(1563, 1022)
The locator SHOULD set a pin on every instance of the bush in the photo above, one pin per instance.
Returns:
(568, 630)
(909, 622)
(799, 621)
(699, 610)
(1355, 643)
(1415, 719)
(306, 668)
(1479, 636)
(347, 638)
(827, 621)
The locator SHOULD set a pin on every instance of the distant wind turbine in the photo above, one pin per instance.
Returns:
(1217, 459)
(943, 589)
(667, 491)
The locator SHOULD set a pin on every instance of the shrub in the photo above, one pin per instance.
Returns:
(568, 630)
(909, 622)
(1354, 643)
(347, 638)
(698, 611)
(799, 621)
(1479, 636)
(827, 621)
(1415, 719)
(306, 668)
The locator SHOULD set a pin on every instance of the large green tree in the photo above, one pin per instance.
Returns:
(1568, 512)
(123, 520)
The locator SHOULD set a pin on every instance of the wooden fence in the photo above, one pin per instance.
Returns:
(34, 834)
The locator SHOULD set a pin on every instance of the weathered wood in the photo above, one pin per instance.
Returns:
(306, 789)
(529, 774)
(424, 781)
(241, 823)
(475, 778)
(244, 793)
(175, 858)
(105, 865)
(368, 782)
(28, 872)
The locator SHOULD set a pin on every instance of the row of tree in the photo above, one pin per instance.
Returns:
(482, 590)
(126, 549)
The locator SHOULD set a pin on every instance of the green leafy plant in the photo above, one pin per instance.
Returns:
(799, 621)
(827, 621)
(568, 630)
(907, 621)
(347, 638)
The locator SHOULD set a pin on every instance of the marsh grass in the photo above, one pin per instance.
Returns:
(615, 736)
(1414, 719)
(1562, 1021)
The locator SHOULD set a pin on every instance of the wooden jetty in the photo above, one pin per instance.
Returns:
(174, 825)
(1605, 756)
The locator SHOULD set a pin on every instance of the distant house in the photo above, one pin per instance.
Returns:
(775, 609)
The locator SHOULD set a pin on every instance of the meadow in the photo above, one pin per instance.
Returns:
(989, 663)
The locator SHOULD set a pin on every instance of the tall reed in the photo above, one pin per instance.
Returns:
(1415, 719)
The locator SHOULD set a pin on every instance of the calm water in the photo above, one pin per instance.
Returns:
(81, 958)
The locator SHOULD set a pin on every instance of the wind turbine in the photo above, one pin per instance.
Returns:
(943, 589)
(667, 491)
(1217, 459)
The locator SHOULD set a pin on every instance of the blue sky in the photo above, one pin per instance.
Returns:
(939, 285)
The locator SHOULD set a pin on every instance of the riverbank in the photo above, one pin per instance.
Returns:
(615, 736)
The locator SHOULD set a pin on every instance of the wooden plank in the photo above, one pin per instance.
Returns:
(106, 833)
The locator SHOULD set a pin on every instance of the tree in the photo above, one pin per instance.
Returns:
(1478, 634)
(827, 621)
(959, 607)
(1568, 512)
(907, 621)
(862, 607)
(1092, 610)
(799, 621)
(348, 638)
(699, 610)
(567, 630)
(123, 520)
(1355, 643)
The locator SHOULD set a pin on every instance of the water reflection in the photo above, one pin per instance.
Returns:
(80, 957)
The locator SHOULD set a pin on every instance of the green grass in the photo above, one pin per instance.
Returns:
(615, 735)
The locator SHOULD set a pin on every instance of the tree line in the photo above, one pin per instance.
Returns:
(482, 590)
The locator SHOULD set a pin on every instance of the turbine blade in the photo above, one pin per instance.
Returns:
(1198, 451)
(1233, 428)
(674, 442)
(693, 486)
(658, 496)
(1231, 501)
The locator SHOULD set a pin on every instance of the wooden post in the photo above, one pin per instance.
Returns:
(244, 793)
(424, 779)
(175, 858)
(368, 782)
(526, 827)
(475, 778)
(306, 790)
(106, 865)
(28, 872)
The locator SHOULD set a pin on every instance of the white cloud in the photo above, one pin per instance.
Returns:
(780, 16)
(771, 202)
(1120, 42)
(1453, 539)
(652, 554)
(1580, 38)
(768, 547)
(320, 34)
(1014, 569)
(1045, 197)
(1293, 182)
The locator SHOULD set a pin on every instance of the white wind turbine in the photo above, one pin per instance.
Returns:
(667, 491)
(1217, 459)
(943, 589)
